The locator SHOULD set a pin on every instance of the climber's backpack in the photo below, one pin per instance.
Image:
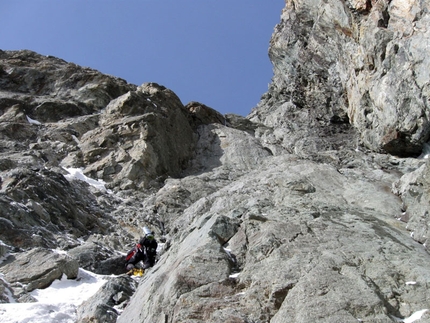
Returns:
(132, 252)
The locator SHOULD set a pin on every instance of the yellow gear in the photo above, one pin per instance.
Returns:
(138, 272)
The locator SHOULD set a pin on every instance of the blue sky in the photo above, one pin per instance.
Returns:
(211, 51)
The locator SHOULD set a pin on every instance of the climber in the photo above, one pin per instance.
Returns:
(145, 250)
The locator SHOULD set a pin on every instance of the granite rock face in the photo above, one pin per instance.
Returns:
(291, 241)
(314, 208)
(309, 228)
(349, 64)
(144, 135)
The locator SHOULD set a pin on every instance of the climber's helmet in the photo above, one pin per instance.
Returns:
(148, 233)
(149, 237)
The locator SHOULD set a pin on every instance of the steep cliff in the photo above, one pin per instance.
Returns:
(349, 63)
(314, 208)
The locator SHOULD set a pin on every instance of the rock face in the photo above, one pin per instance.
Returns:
(143, 135)
(342, 64)
(307, 241)
(314, 208)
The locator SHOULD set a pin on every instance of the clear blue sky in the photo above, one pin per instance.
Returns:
(211, 51)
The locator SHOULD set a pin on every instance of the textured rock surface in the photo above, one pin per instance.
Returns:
(338, 63)
(308, 241)
(96, 257)
(144, 135)
(414, 189)
(310, 238)
(38, 268)
(314, 208)
(101, 308)
(50, 89)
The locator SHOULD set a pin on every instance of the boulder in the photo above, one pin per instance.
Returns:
(241, 123)
(98, 258)
(198, 259)
(106, 305)
(38, 268)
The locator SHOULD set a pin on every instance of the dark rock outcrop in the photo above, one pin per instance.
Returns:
(50, 89)
(98, 258)
(200, 114)
(39, 203)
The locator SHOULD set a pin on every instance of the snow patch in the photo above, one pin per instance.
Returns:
(77, 173)
(414, 317)
(33, 121)
(55, 304)
(425, 152)
(76, 139)
(59, 251)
